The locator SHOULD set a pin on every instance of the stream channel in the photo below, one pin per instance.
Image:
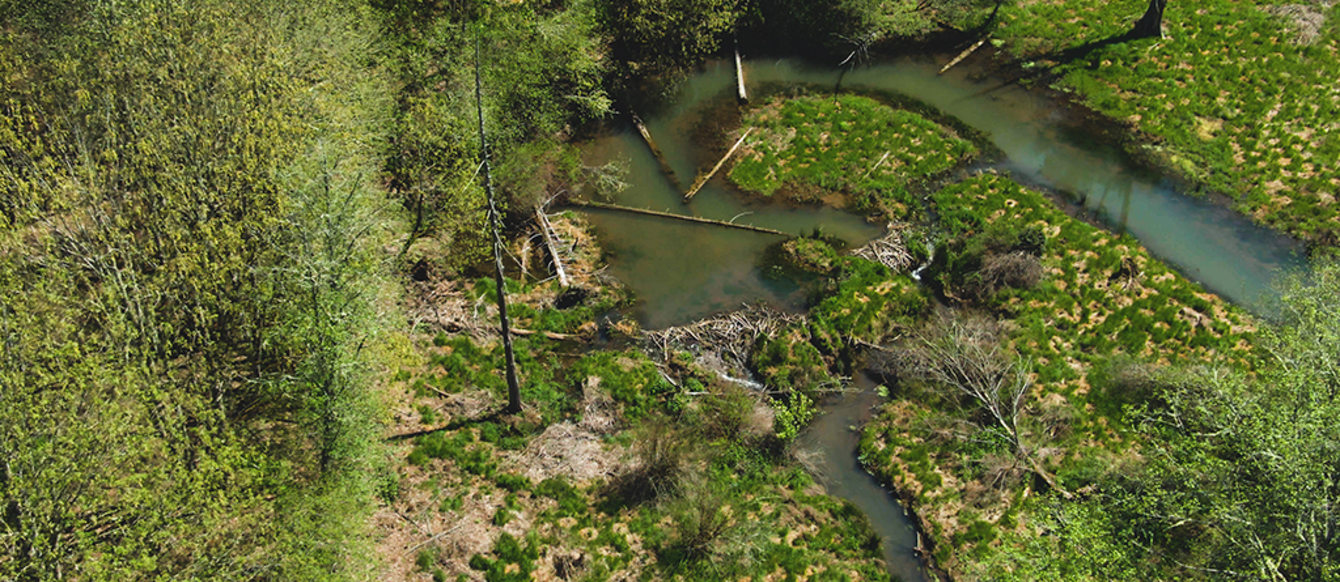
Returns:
(682, 271)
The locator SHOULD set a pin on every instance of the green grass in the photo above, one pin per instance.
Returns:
(1102, 303)
(1101, 294)
(1230, 99)
(809, 147)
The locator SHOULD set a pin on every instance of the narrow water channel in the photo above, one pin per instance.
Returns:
(836, 436)
(681, 272)
(1045, 144)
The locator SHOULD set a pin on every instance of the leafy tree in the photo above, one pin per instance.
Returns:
(653, 36)
(1244, 477)
(187, 288)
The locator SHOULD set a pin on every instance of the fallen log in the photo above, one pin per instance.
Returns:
(655, 151)
(695, 219)
(548, 334)
(549, 237)
(702, 179)
(963, 55)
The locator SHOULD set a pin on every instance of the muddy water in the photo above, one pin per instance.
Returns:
(682, 272)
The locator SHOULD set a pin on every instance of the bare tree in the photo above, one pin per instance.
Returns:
(964, 354)
(495, 225)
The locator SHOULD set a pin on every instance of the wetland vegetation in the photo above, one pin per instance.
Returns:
(247, 333)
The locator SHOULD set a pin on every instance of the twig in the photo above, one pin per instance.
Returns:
(436, 537)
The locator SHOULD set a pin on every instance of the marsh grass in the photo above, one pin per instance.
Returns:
(808, 147)
(1232, 98)
(1099, 310)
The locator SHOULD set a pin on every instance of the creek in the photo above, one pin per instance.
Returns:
(683, 271)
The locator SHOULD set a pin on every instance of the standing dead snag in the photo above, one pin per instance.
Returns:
(964, 355)
(495, 224)
(1151, 24)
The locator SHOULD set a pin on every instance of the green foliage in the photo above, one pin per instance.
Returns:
(510, 552)
(190, 291)
(542, 72)
(808, 255)
(654, 36)
(793, 414)
(1241, 479)
(823, 28)
(631, 378)
(789, 361)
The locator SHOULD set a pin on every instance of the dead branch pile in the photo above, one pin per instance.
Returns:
(889, 250)
(445, 306)
(728, 337)
(1308, 20)
(567, 450)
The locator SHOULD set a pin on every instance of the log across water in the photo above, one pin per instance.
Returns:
(683, 217)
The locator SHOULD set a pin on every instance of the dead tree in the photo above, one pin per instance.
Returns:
(1151, 24)
(495, 224)
(964, 355)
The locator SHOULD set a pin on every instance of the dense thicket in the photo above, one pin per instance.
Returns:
(1240, 472)
(543, 69)
(188, 292)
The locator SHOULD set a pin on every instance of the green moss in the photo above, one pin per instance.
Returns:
(631, 378)
(810, 146)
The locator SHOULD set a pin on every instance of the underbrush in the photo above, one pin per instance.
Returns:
(665, 473)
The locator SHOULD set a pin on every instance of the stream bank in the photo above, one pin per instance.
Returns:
(682, 275)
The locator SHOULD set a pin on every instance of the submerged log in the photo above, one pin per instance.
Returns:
(703, 179)
(549, 237)
(670, 215)
(965, 54)
(655, 151)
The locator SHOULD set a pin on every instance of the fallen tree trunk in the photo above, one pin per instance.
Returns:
(963, 55)
(703, 179)
(655, 151)
(548, 334)
(547, 231)
(695, 219)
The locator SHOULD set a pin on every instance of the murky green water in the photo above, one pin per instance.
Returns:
(682, 271)
(1045, 145)
(836, 435)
